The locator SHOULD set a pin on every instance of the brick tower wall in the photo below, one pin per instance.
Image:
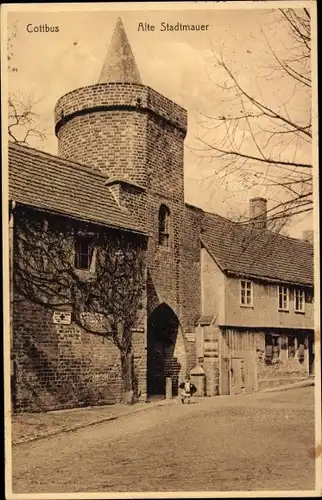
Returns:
(131, 132)
(165, 155)
(105, 126)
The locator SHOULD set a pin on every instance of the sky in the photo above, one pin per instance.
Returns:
(179, 65)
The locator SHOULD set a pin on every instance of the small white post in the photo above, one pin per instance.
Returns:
(168, 388)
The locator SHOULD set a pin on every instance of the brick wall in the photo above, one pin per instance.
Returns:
(129, 131)
(35, 353)
(112, 142)
(134, 199)
(105, 126)
(190, 267)
(61, 366)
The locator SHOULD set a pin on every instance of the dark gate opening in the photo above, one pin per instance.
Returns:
(163, 327)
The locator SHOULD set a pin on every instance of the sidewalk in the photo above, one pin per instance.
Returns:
(27, 427)
(308, 382)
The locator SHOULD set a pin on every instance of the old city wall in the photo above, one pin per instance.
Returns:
(131, 132)
(174, 274)
(61, 365)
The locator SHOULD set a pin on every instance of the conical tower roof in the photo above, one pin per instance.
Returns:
(119, 65)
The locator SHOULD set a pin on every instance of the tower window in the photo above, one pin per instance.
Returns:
(164, 223)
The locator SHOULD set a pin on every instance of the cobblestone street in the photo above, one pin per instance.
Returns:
(255, 442)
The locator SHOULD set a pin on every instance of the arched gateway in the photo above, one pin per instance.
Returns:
(163, 326)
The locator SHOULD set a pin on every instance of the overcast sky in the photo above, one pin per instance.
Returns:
(179, 65)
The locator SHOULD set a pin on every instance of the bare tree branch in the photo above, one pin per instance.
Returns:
(263, 142)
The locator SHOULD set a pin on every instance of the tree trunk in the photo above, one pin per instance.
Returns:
(126, 365)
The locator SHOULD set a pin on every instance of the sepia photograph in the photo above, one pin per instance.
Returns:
(160, 239)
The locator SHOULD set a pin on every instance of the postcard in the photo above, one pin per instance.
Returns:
(161, 250)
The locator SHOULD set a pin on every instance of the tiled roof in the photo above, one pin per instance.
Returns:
(241, 250)
(205, 320)
(51, 183)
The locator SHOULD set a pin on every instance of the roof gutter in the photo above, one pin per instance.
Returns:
(267, 279)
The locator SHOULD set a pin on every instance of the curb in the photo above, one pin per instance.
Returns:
(88, 424)
(305, 383)
(287, 387)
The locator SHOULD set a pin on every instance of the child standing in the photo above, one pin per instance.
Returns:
(187, 390)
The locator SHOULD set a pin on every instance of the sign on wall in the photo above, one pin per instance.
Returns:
(62, 318)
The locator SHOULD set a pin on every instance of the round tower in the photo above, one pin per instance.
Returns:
(136, 136)
(106, 125)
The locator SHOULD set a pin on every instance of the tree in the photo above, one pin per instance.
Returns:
(104, 300)
(263, 141)
(24, 123)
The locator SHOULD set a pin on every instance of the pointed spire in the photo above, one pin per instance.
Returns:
(119, 65)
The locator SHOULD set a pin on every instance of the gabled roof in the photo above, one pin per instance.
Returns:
(257, 253)
(64, 187)
(119, 65)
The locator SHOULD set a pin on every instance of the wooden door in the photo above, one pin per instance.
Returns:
(224, 376)
(250, 372)
(237, 379)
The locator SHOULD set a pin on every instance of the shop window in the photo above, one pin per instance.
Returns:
(301, 348)
(272, 348)
(291, 346)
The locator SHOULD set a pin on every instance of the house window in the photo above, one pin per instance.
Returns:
(283, 298)
(164, 222)
(83, 252)
(299, 300)
(246, 293)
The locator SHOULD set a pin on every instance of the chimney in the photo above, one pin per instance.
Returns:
(308, 236)
(258, 212)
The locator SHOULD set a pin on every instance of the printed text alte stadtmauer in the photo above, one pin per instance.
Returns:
(143, 26)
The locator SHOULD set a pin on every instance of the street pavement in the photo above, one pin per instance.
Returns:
(254, 442)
